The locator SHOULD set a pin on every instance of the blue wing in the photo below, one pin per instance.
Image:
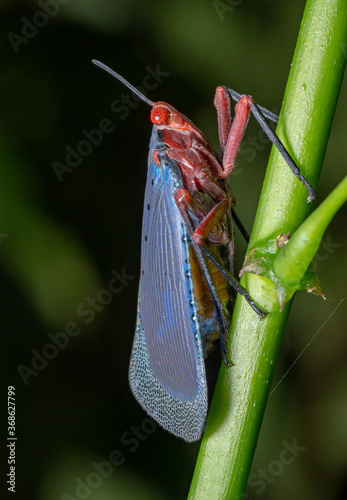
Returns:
(167, 371)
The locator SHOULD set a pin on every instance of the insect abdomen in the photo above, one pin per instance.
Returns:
(207, 315)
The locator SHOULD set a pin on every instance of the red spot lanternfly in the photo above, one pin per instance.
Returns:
(187, 258)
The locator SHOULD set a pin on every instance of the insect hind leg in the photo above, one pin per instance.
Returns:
(234, 283)
(223, 323)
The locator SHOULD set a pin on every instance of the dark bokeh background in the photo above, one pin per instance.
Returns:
(60, 242)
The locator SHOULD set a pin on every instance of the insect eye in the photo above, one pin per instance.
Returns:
(159, 116)
(177, 120)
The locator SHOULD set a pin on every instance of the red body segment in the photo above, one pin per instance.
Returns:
(201, 167)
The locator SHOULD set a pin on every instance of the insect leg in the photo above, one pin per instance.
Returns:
(223, 324)
(276, 141)
(260, 115)
(268, 114)
(184, 201)
(230, 140)
(234, 283)
(222, 104)
(239, 224)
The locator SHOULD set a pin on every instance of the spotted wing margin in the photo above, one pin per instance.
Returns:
(167, 371)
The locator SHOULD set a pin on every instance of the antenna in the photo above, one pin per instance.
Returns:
(123, 80)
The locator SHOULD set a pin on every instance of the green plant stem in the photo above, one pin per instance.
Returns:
(241, 393)
(292, 262)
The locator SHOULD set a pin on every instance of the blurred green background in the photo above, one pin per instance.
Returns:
(64, 237)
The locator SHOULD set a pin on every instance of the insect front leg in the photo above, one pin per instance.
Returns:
(208, 226)
(260, 114)
(231, 133)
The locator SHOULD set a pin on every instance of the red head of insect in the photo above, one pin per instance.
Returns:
(166, 115)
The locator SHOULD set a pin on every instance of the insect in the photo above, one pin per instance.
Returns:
(187, 242)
